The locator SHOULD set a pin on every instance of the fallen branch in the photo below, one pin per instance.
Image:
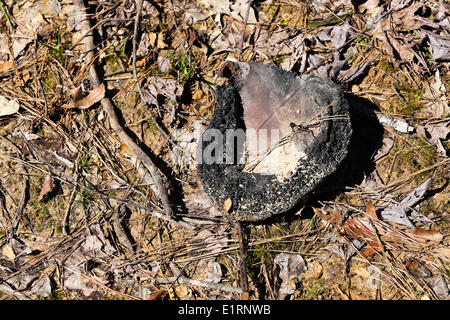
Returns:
(88, 43)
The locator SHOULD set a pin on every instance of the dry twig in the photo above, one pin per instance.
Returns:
(108, 107)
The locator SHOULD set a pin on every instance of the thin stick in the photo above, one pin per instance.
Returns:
(242, 259)
(108, 107)
(66, 220)
(43, 98)
(243, 29)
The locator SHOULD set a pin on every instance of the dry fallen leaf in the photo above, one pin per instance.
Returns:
(6, 65)
(440, 47)
(197, 95)
(41, 287)
(417, 269)
(432, 235)
(157, 295)
(335, 218)
(162, 92)
(363, 228)
(83, 102)
(439, 132)
(435, 97)
(9, 252)
(47, 187)
(402, 49)
(182, 292)
(237, 10)
(213, 272)
(8, 107)
(290, 266)
(370, 210)
(399, 212)
(227, 205)
(361, 6)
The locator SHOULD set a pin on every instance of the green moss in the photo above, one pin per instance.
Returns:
(284, 22)
(152, 128)
(112, 61)
(386, 66)
(412, 96)
(264, 252)
(43, 216)
(61, 294)
(408, 97)
(419, 154)
(50, 80)
(278, 59)
(273, 12)
(41, 210)
(314, 291)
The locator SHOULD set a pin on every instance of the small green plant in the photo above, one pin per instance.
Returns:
(57, 49)
(313, 223)
(122, 49)
(85, 161)
(84, 196)
(445, 270)
(183, 65)
(427, 51)
(284, 22)
(364, 41)
(2, 9)
(41, 212)
(278, 59)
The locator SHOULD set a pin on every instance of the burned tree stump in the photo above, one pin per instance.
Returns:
(273, 138)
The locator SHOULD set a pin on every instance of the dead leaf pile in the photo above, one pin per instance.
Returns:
(236, 9)
(437, 131)
(399, 212)
(379, 236)
(289, 268)
(403, 31)
(163, 93)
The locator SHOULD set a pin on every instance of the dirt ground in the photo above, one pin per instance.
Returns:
(83, 216)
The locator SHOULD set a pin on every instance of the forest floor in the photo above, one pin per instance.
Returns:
(81, 216)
